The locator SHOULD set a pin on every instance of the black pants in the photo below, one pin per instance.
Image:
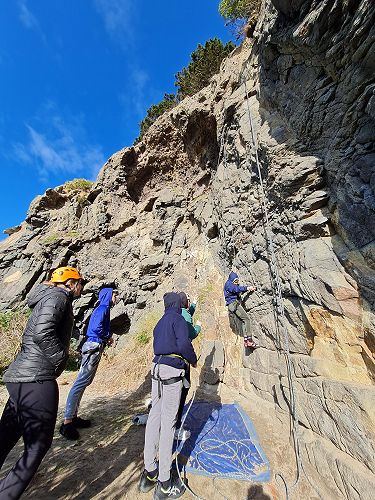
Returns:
(184, 394)
(30, 412)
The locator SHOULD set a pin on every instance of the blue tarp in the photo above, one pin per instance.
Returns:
(223, 443)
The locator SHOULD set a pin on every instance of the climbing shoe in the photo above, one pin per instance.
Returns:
(81, 423)
(182, 434)
(69, 431)
(174, 488)
(148, 481)
(249, 342)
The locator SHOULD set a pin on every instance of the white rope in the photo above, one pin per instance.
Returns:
(280, 310)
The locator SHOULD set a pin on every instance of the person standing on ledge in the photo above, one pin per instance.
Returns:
(31, 409)
(232, 292)
(98, 336)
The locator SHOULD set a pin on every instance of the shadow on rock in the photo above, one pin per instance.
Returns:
(256, 493)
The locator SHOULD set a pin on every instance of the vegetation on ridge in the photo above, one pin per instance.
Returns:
(78, 185)
(240, 14)
(205, 62)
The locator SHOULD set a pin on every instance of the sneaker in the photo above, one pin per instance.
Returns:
(69, 431)
(140, 419)
(81, 423)
(175, 489)
(148, 481)
(182, 434)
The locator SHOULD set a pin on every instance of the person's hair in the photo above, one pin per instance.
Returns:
(184, 299)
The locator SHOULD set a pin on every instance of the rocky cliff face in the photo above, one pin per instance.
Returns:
(184, 207)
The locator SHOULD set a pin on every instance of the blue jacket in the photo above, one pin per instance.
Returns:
(99, 324)
(232, 291)
(171, 335)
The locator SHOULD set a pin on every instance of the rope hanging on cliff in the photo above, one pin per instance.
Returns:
(280, 311)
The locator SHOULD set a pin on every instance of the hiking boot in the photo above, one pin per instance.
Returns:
(69, 431)
(173, 488)
(81, 423)
(181, 434)
(148, 481)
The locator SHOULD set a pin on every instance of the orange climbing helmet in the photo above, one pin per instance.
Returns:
(62, 274)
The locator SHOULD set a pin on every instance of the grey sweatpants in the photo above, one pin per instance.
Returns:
(236, 308)
(161, 422)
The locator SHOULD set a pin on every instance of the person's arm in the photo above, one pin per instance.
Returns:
(237, 289)
(183, 341)
(45, 336)
(96, 323)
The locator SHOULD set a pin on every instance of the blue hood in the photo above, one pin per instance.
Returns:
(99, 325)
(232, 276)
(172, 300)
(105, 296)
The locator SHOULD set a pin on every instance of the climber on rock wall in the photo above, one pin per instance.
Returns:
(232, 292)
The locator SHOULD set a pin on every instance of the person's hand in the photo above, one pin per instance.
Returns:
(252, 289)
(198, 323)
(194, 300)
(194, 365)
(110, 341)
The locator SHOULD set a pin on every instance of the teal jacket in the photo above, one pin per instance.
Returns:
(188, 316)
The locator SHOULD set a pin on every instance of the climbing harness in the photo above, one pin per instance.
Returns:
(165, 381)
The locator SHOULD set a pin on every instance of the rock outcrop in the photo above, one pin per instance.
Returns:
(184, 206)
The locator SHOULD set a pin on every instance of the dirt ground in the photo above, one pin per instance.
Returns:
(106, 462)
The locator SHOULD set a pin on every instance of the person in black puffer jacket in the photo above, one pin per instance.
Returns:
(31, 409)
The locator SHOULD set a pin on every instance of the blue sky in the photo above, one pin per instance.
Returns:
(76, 78)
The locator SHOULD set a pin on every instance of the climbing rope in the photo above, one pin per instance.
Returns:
(279, 309)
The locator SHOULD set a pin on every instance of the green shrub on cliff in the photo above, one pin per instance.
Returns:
(240, 13)
(78, 185)
(205, 62)
(168, 102)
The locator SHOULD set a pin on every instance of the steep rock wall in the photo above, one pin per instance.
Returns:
(184, 207)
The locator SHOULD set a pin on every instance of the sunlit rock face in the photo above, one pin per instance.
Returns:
(184, 207)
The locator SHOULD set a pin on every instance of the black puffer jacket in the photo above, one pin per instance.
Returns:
(45, 342)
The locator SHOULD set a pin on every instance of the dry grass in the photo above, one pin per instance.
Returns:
(127, 368)
(12, 325)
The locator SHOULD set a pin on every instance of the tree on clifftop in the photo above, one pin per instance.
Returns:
(205, 62)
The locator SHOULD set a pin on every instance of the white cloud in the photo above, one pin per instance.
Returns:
(118, 17)
(138, 96)
(28, 19)
(58, 151)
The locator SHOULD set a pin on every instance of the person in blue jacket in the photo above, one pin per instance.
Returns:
(97, 337)
(173, 354)
(232, 292)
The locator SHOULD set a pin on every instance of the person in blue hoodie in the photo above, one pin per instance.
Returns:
(232, 293)
(97, 337)
(173, 354)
